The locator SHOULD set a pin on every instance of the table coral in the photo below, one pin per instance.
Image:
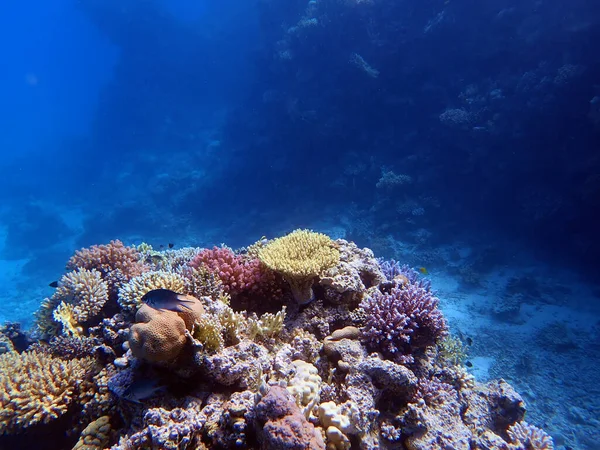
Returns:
(300, 257)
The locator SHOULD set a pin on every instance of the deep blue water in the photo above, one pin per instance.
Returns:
(459, 135)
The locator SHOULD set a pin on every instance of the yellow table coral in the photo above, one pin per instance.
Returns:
(300, 257)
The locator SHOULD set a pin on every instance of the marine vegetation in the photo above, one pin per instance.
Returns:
(301, 342)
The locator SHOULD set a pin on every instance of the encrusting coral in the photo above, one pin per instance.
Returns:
(364, 365)
(300, 257)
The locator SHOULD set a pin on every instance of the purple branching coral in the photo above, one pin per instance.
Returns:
(402, 321)
(392, 269)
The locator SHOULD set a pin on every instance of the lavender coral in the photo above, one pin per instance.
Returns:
(402, 321)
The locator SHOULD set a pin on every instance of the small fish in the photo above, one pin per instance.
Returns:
(161, 246)
(54, 284)
(142, 390)
(423, 271)
(469, 341)
(171, 245)
(166, 299)
(469, 364)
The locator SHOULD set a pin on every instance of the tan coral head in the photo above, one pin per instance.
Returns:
(159, 335)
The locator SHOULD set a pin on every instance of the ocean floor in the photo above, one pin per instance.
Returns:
(534, 325)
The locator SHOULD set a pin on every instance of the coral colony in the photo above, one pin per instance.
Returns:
(300, 342)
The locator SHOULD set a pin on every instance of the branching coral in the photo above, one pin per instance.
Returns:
(37, 388)
(85, 290)
(237, 273)
(402, 321)
(300, 257)
(116, 262)
(525, 436)
(130, 295)
(268, 325)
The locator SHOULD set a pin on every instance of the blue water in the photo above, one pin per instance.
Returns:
(461, 136)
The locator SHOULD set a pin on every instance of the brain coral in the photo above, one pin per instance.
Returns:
(37, 388)
(159, 335)
(300, 257)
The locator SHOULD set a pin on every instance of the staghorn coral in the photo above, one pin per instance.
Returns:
(116, 262)
(525, 436)
(37, 388)
(451, 351)
(130, 295)
(300, 257)
(403, 321)
(209, 331)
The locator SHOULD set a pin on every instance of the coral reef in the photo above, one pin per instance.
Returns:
(365, 365)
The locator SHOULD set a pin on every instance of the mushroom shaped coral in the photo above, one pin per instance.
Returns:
(159, 335)
(300, 257)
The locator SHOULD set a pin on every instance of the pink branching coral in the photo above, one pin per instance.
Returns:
(116, 262)
(238, 273)
(402, 321)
